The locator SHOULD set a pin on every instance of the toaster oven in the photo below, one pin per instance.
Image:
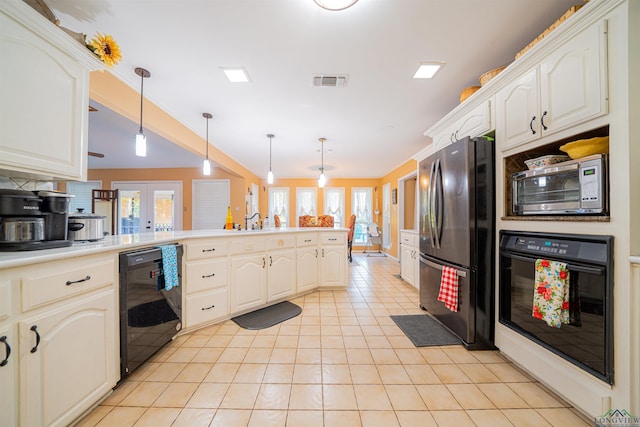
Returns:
(576, 187)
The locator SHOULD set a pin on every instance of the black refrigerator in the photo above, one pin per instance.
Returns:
(457, 228)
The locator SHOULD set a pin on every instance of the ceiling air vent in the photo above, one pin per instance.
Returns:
(337, 80)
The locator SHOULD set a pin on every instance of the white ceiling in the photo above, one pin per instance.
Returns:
(372, 125)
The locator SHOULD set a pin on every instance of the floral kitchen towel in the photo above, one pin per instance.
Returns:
(169, 266)
(449, 288)
(551, 293)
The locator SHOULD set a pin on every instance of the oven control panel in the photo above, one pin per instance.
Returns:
(556, 246)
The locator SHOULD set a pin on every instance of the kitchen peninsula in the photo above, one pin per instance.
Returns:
(59, 307)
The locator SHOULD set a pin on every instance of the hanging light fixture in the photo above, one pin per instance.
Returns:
(270, 174)
(206, 165)
(322, 180)
(141, 139)
(335, 4)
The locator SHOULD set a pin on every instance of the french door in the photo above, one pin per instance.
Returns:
(147, 206)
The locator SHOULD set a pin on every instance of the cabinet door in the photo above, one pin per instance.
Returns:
(307, 271)
(443, 138)
(205, 307)
(43, 107)
(516, 110)
(248, 282)
(8, 389)
(281, 278)
(67, 360)
(416, 269)
(573, 81)
(406, 264)
(476, 122)
(333, 260)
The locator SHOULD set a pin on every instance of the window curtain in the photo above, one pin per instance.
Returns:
(334, 204)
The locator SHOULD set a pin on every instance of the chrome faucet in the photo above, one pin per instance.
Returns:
(247, 219)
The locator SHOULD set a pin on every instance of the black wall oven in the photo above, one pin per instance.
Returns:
(587, 340)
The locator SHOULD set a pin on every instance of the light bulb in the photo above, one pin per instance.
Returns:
(206, 167)
(270, 177)
(322, 180)
(141, 145)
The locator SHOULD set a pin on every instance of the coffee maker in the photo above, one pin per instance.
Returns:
(33, 220)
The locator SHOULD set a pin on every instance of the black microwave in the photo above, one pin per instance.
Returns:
(576, 187)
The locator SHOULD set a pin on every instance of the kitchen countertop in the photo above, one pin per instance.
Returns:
(132, 241)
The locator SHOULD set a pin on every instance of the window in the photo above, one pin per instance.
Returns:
(386, 216)
(361, 206)
(211, 199)
(279, 204)
(255, 200)
(83, 194)
(334, 205)
(306, 202)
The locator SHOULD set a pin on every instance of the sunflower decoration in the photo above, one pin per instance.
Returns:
(105, 48)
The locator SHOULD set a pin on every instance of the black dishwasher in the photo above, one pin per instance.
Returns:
(150, 316)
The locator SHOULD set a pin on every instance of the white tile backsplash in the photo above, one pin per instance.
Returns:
(13, 183)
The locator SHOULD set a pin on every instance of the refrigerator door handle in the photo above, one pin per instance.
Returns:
(439, 267)
(438, 208)
(430, 201)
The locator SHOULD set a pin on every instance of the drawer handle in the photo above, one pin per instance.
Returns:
(71, 282)
(264, 262)
(3, 339)
(333, 239)
(316, 253)
(544, 127)
(204, 276)
(533, 132)
(307, 240)
(34, 328)
(209, 250)
(208, 308)
(270, 261)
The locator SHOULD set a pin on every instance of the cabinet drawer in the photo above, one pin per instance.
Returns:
(307, 239)
(207, 249)
(281, 242)
(241, 245)
(56, 281)
(206, 275)
(408, 239)
(333, 238)
(206, 306)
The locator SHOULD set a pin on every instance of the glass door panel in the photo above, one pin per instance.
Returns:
(149, 206)
(163, 217)
(129, 211)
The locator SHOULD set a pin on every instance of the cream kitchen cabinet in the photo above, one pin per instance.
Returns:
(65, 360)
(8, 375)
(409, 258)
(248, 282)
(475, 122)
(44, 97)
(307, 261)
(332, 265)
(65, 353)
(206, 282)
(281, 267)
(568, 87)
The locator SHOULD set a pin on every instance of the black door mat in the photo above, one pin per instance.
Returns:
(268, 316)
(425, 331)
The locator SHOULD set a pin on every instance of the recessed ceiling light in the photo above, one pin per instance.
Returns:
(237, 75)
(427, 70)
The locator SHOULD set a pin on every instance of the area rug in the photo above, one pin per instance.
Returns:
(425, 331)
(268, 316)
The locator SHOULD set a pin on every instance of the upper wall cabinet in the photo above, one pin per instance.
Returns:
(567, 88)
(44, 97)
(474, 122)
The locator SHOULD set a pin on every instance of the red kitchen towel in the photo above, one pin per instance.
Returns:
(449, 288)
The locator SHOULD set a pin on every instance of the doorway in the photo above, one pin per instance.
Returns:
(149, 206)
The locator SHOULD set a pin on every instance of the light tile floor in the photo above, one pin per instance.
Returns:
(342, 362)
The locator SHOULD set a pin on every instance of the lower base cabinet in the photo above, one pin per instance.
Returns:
(333, 266)
(8, 356)
(66, 361)
(281, 274)
(248, 282)
(206, 306)
(307, 268)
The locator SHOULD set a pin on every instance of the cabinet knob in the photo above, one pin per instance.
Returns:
(3, 340)
(544, 127)
(533, 132)
(34, 328)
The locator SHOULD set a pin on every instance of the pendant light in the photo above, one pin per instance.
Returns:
(322, 180)
(141, 139)
(335, 4)
(270, 174)
(206, 165)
